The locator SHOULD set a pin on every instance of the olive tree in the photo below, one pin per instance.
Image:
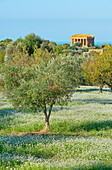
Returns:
(33, 83)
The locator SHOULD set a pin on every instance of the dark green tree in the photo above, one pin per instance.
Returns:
(31, 41)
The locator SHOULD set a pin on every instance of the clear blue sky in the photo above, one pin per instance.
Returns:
(56, 20)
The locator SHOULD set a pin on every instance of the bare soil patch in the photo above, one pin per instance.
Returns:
(34, 133)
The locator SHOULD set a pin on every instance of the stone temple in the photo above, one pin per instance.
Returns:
(86, 39)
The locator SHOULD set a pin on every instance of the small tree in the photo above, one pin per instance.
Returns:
(36, 85)
(92, 71)
(97, 69)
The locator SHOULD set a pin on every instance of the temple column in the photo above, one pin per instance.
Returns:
(86, 42)
(83, 43)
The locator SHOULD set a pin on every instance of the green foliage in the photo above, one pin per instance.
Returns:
(11, 47)
(79, 52)
(33, 86)
(58, 49)
(78, 44)
(2, 47)
(1, 84)
(2, 56)
(91, 70)
(19, 40)
(65, 46)
(85, 49)
(73, 47)
(39, 55)
(45, 45)
(98, 68)
(7, 40)
(52, 47)
(31, 41)
(75, 50)
(39, 81)
(2, 60)
(20, 47)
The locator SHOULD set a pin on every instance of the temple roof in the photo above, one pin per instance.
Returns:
(83, 35)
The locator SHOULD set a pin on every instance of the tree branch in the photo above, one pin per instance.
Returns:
(45, 113)
(50, 109)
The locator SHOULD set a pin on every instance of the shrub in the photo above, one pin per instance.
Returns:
(73, 47)
(78, 44)
(65, 46)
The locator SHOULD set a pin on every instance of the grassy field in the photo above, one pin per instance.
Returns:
(80, 135)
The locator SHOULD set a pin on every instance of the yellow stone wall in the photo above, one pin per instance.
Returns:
(101, 51)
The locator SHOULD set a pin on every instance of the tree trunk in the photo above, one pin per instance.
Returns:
(100, 88)
(46, 119)
(47, 125)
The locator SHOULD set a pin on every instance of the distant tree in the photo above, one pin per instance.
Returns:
(97, 69)
(59, 49)
(7, 40)
(45, 45)
(4, 43)
(30, 84)
(65, 46)
(92, 71)
(53, 43)
(31, 41)
(52, 46)
(73, 47)
(19, 40)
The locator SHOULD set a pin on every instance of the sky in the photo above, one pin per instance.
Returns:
(56, 20)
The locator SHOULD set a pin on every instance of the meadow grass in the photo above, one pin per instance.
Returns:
(81, 134)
